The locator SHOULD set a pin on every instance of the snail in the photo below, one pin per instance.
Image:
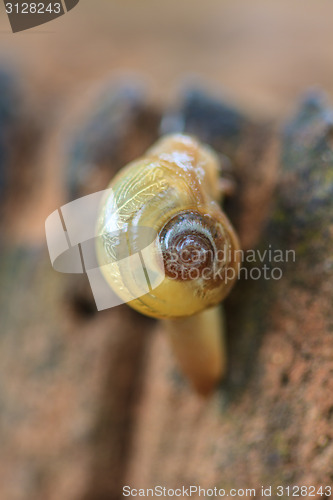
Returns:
(176, 190)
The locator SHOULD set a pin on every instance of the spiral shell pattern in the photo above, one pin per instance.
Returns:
(173, 189)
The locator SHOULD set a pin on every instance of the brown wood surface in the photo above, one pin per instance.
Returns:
(90, 402)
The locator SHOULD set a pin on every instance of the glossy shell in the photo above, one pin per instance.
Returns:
(174, 189)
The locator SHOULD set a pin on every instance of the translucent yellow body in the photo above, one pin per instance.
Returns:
(178, 175)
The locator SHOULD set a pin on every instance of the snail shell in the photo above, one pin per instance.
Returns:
(174, 189)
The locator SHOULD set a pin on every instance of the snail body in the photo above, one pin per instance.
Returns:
(175, 189)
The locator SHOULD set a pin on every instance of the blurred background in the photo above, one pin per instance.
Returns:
(90, 402)
(261, 56)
